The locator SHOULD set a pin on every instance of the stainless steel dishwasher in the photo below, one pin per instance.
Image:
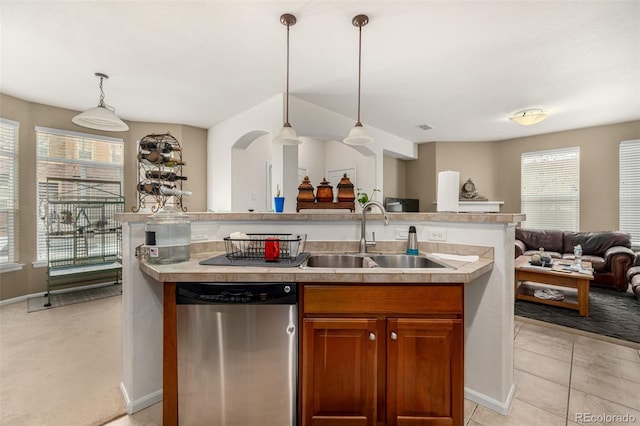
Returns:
(237, 354)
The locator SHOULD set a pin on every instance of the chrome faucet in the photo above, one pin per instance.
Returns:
(363, 225)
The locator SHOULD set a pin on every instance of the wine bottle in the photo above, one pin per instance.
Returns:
(163, 175)
(151, 158)
(165, 147)
(155, 188)
(174, 163)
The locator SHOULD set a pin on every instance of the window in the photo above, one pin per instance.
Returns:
(630, 189)
(64, 154)
(8, 191)
(550, 192)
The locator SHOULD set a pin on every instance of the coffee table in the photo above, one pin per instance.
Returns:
(538, 277)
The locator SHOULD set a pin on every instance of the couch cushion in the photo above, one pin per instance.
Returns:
(551, 240)
(598, 263)
(595, 243)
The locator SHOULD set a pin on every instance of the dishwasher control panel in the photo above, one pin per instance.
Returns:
(236, 293)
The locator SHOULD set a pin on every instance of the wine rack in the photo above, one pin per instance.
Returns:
(160, 173)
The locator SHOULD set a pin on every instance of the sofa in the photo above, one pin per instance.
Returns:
(609, 252)
(633, 276)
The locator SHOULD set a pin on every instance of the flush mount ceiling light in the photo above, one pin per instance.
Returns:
(357, 135)
(103, 116)
(528, 117)
(287, 136)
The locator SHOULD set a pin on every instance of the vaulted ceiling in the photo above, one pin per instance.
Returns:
(460, 67)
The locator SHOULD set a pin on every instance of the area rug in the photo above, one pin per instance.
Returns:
(79, 295)
(611, 313)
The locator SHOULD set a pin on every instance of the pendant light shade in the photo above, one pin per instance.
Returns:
(287, 136)
(528, 117)
(102, 117)
(358, 135)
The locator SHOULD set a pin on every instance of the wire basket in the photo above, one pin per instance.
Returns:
(269, 247)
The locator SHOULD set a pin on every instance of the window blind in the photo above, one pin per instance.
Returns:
(8, 190)
(64, 154)
(630, 189)
(550, 189)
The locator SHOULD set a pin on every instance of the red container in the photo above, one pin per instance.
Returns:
(271, 249)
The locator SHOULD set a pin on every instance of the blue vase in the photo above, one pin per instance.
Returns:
(278, 203)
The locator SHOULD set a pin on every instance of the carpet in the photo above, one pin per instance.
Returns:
(61, 367)
(74, 296)
(611, 313)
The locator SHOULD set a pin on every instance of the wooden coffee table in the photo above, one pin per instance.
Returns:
(539, 276)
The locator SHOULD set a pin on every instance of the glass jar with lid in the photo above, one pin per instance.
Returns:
(168, 236)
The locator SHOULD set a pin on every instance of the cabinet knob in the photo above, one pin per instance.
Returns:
(394, 335)
(372, 336)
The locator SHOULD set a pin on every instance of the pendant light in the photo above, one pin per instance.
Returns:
(529, 117)
(287, 136)
(357, 135)
(103, 116)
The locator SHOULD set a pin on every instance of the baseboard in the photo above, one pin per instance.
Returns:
(499, 407)
(64, 290)
(140, 403)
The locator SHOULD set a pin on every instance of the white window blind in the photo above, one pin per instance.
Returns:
(630, 189)
(67, 154)
(550, 189)
(8, 190)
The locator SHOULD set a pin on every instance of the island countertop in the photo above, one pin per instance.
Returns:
(192, 270)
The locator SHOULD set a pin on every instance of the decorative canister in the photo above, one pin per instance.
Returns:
(168, 236)
(305, 191)
(325, 191)
(345, 190)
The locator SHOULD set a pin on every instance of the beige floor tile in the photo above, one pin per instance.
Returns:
(522, 414)
(589, 345)
(610, 388)
(582, 406)
(472, 423)
(606, 364)
(151, 416)
(551, 345)
(469, 408)
(542, 366)
(542, 393)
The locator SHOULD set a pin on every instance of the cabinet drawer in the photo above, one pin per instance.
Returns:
(383, 299)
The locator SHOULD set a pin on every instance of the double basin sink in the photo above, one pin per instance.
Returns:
(371, 260)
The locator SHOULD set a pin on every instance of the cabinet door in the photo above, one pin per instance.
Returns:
(339, 363)
(425, 376)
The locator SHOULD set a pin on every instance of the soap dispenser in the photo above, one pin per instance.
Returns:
(412, 242)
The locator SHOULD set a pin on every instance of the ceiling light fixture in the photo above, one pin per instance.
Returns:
(357, 135)
(287, 136)
(103, 116)
(528, 117)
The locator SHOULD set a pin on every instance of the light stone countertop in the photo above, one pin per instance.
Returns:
(191, 270)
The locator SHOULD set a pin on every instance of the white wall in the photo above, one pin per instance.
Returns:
(308, 120)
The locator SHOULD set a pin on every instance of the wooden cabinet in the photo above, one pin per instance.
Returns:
(382, 355)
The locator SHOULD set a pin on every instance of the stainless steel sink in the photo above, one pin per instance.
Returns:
(373, 261)
(406, 261)
(334, 261)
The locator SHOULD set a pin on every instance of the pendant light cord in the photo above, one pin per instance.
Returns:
(286, 112)
(359, 68)
(101, 103)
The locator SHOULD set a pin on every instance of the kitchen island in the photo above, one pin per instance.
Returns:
(488, 295)
(343, 310)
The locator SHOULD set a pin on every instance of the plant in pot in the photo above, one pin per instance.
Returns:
(278, 201)
(363, 198)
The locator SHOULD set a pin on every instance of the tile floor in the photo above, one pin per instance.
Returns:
(562, 378)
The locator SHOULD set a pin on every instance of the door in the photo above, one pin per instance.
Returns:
(339, 368)
(424, 372)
